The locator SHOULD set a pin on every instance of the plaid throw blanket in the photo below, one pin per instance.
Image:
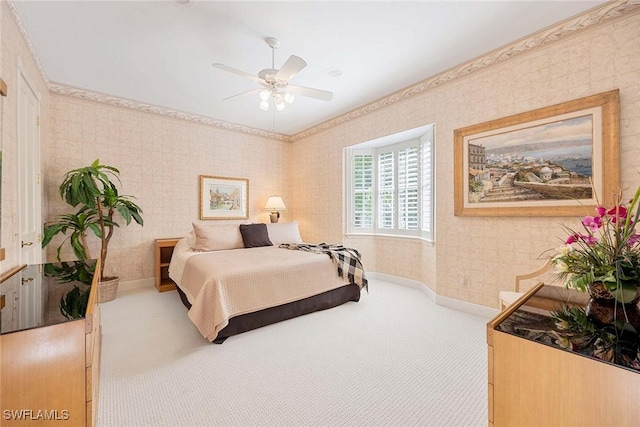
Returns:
(346, 259)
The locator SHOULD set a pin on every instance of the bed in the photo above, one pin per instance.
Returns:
(245, 284)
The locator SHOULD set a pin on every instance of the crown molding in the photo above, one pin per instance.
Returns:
(595, 16)
(73, 92)
(598, 15)
(27, 40)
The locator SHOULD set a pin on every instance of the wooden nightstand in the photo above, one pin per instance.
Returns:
(50, 364)
(164, 250)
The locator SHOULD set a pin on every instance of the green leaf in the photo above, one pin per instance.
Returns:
(625, 292)
(124, 213)
(96, 230)
(78, 248)
(582, 281)
(73, 305)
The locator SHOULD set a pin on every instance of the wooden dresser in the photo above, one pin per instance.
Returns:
(534, 382)
(50, 365)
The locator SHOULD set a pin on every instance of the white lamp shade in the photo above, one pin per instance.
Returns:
(275, 203)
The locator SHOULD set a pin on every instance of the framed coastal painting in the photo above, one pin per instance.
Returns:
(223, 198)
(560, 160)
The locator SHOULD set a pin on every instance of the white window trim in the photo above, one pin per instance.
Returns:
(428, 139)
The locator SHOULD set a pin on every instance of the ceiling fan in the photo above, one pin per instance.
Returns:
(275, 83)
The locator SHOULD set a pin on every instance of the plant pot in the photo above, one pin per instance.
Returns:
(597, 291)
(107, 289)
(605, 310)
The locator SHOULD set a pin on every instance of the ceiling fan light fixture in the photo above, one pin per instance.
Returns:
(275, 82)
(279, 101)
(265, 94)
(289, 97)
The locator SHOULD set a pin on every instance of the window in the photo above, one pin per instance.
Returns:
(363, 191)
(390, 185)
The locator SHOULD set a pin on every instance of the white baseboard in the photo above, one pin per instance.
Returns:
(140, 283)
(404, 282)
(467, 307)
(136, 285)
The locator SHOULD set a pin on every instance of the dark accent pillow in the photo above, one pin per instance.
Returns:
(255, 235)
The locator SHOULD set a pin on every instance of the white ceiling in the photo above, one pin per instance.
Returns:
(160, 52)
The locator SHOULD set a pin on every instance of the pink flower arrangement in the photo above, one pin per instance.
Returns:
(606, 250)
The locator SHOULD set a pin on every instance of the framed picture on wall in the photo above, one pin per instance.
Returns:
(223, 198)
(555, 161)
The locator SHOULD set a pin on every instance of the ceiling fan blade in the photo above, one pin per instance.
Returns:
(249, 92)
(322, 95)
(238, 72)
(291, 68)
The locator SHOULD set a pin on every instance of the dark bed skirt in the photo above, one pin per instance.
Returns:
(267, 316)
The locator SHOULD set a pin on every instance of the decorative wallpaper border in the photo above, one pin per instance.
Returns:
(148, 108)
(595, 16)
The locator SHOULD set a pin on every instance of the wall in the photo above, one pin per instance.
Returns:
(160, 160)
(14, 53)
(474, 258)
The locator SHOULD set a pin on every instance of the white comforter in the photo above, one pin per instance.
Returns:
(224, 284)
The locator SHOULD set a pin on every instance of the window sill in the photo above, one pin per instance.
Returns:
(429, 242)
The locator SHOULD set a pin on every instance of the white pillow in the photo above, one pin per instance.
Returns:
(284, 232)
(191, 239)
(217, 237)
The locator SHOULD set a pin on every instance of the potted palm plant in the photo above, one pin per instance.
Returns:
(93, 191)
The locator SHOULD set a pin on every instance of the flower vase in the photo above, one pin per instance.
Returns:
(604, 309)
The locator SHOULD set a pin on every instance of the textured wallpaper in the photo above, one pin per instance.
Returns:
(160, 161)
(474, 258)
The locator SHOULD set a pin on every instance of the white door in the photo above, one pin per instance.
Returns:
(30, 195)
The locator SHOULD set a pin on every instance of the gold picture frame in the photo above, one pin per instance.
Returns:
(224, 198)
(545, 162)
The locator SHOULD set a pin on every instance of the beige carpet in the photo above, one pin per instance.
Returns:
(394, 358)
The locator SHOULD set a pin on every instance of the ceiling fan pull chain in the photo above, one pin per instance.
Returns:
(273, 56)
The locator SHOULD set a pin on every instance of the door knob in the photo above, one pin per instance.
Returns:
(26, 244)
(26, 280)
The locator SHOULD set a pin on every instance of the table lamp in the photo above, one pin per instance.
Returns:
(275, 204)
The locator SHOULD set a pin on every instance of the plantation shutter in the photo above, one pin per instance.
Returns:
(408, 189)
(386, 190)
(426, 168)
(362, 191)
